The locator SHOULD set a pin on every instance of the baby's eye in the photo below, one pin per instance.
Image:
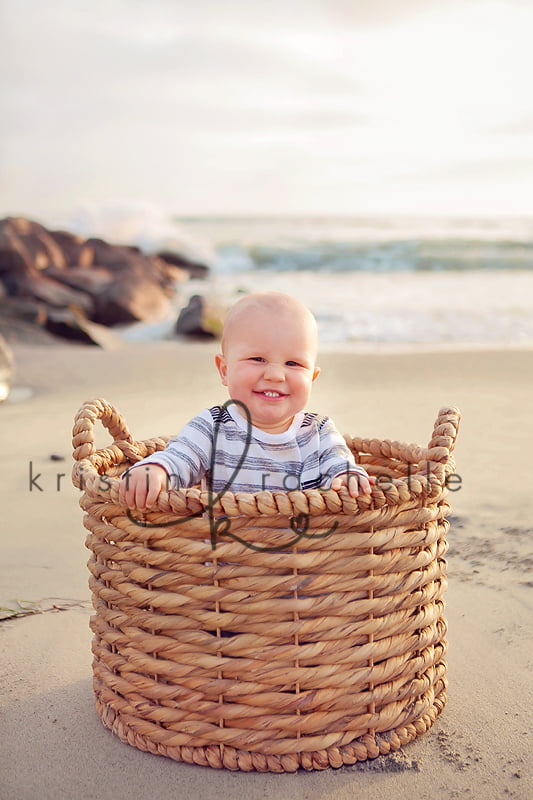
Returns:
(293, 364)
(259, 359)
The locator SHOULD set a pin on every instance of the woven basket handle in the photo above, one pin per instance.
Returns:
(84, 421)
(442, 442)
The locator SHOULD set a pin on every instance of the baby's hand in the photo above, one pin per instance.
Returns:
(357, 483)
(141, 486)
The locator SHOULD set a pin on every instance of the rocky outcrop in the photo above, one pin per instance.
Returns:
(202, 317)
(104, 283)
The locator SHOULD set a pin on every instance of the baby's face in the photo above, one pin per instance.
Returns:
(269, 365)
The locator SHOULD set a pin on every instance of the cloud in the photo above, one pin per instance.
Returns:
(77, 63)
(176, 99)
(89, 76)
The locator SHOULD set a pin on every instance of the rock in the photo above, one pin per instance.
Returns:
(112, 256)
(15, 263)
(93, 281)
(27, 310)
(71, 324)
(111, 284)
(52, 293)
(20, 331)
(26, 249)
(77, 252)
(140, 287)
(193, 268)
(6, 369)
(203, 316)
(33, 242)
(131, 297)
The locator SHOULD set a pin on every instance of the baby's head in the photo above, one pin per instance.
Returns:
(269, 347)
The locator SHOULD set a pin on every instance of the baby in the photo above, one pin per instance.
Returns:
(262, 439)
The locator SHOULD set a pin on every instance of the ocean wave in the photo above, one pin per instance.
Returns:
(322, 245)
(415, 255)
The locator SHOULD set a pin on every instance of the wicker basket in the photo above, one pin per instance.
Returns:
(275, 630)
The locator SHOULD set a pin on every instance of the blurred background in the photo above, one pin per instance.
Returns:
(374, 157)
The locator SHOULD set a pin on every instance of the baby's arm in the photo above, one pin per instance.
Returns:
(140, 486)
(182, 463)
(338, 464)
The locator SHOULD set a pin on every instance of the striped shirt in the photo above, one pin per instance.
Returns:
(222, 451)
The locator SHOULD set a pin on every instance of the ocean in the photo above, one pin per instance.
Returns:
(373, 283)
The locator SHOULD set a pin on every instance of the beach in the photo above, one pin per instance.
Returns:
(374, 160)
(53, 745)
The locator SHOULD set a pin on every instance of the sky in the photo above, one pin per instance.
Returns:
(249, 107)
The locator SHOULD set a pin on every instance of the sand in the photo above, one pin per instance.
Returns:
(52, 744)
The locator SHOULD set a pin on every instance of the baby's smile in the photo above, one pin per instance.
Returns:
(270, 393)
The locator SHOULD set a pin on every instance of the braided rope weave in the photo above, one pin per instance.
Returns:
(285, 646)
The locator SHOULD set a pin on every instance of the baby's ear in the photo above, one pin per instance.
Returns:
(316, 373)
(222, 367)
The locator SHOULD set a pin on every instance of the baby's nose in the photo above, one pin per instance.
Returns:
(274, 372)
